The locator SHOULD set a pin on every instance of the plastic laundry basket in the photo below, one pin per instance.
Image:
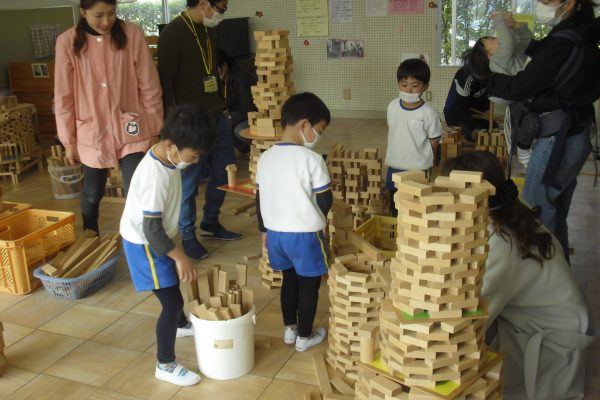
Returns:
(67, 181)
(225, 349)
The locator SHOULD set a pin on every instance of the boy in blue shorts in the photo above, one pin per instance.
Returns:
(414, 125)
(150, 222)
(293, 198)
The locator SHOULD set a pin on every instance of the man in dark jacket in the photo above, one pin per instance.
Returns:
(238, 97)
(563, 98)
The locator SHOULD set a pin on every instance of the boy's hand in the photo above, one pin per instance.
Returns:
(186, 270)
(263, 236)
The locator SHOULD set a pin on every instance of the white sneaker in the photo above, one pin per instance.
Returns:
(179, 376)
(290, 334)
(185, 331)
(318, 335)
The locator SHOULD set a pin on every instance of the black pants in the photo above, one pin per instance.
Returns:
(299, 298)
(94, 184)
(171, 317)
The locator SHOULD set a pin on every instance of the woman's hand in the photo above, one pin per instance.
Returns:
(72, 155)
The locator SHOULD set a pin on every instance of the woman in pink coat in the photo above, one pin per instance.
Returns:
(108, 99)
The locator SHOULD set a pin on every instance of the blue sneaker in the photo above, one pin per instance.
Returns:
(217, 232)
(194, 249)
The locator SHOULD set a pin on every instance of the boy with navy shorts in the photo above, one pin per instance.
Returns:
(150, 222)
(414, 125)
(293, 198)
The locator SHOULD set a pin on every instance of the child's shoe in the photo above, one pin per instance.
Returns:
(176, 374)
(290, 334)
(318, 335)
(186, 331)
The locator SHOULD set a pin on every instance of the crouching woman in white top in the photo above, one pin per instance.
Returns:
(538, 314)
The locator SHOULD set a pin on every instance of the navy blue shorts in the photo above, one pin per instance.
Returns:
(303, 251)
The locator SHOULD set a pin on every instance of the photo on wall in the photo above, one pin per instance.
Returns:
(342, 48)
(40, 70)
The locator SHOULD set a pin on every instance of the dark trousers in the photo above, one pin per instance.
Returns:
(94, 184)
(222, 154)
(171, 317)
(299, 298)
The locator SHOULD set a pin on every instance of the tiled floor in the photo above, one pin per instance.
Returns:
(103, 347)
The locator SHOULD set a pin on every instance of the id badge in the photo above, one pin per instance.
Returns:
(210, 84)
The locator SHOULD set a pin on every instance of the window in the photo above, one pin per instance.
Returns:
(462, 22)
(147, 14)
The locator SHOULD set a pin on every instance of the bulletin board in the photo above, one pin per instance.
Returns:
(372, 78)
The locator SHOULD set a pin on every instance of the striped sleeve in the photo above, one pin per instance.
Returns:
(152, 214)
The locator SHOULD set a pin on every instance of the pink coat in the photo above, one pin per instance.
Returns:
(108, 102)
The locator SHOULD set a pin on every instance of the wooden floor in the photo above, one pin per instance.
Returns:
(103, 347)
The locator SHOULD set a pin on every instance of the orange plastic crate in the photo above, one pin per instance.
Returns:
(28, 239)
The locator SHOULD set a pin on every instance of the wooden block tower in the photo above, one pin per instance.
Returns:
(433, 325)
(355, 293)
(274, 67)
(451, 142)
(270, 278)
(493, 142)
(356, 178)
(339, 220)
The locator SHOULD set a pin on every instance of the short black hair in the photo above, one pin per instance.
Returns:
(304, 106)
(476, 61)
(189, 126)
(414, 68)
(223, 58)
(194, 3)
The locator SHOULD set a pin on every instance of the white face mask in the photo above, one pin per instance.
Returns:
(409, 97)
(312, 144)
(546, 14)
(181, 164)
(213, 21)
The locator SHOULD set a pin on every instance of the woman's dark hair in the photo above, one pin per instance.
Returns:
(304, 105)
(189, 126)
(506, 210)
(477, 62)
(223, 58)
(414, 68)
(117, 33)
(585, 9)
(194, 3)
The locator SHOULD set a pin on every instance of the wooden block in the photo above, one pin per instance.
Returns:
(202, 312)
(203, 288)
(215, 302)
(49, 270)
(241, 274)
(214, 281)
(236, 310)
(247, 299)
(252, 257)
(341, 386)
(223, 282)
(225, 314)
(322, 375)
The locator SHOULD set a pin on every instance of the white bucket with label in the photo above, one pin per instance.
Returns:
(67, 181)
(225, 349)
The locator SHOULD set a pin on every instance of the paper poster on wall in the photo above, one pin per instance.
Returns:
(342, 48)
(376, 8)
(312, 18)
(340, 11)
(406, 7)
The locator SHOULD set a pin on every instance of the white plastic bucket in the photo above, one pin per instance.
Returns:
(67, 181)
(225, 349)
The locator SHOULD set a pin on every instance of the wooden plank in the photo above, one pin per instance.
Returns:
(322, 375)
(241, 274)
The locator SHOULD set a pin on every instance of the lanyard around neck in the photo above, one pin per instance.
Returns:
(192, 27)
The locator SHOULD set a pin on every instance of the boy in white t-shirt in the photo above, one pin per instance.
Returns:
(293, 198)
(150, 222)
(414, 126)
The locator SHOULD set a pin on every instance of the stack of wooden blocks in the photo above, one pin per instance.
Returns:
(87, 254)
(214, 297)
(374, 386)
(18, 147)
(451, 142)
(493, 142)
(356, 178)
(274, 67)
(57, 157)
(355, 294)
(114, 184)
(433, 325)
(270, 278)
(2, 346)
(339, 221)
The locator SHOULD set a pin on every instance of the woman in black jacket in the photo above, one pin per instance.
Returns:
(557, 89)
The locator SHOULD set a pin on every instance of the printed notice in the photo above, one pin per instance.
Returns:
(406, 7)
(376, 8)
(312, 18)
(340, 11)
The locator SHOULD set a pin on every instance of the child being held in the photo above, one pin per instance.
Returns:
(414, 126)
(293, 198)
(150, 222)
